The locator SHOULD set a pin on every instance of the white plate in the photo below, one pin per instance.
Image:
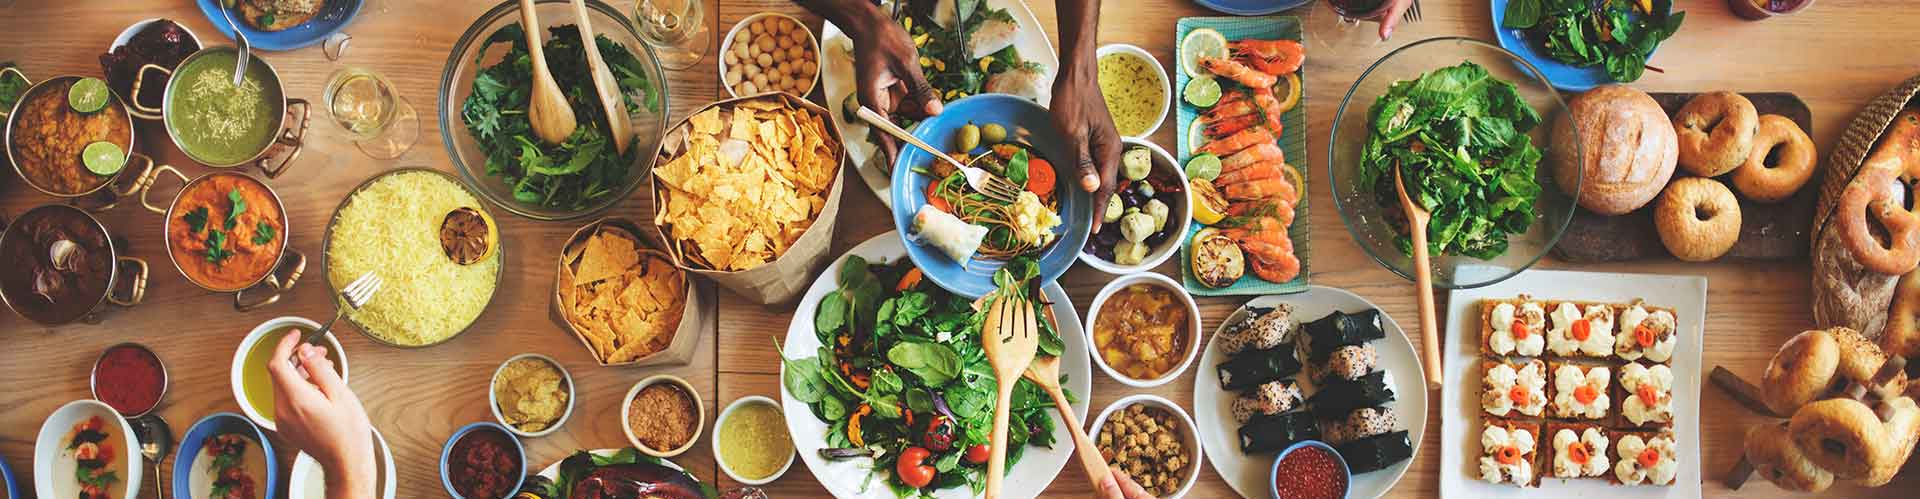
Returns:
(308, 481)
(1038, 466)
(1460, 420)
(53, 464)
(836, 72)
(1249, 474)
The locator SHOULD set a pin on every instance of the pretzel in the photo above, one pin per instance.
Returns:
(1771, 451)
(1899, 149)
(1878, 194)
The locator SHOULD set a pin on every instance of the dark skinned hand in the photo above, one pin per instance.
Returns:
(886, 67)
(1080, 112)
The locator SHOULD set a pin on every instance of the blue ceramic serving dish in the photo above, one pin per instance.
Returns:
(446, 453)
(1250, 7)
(974, 278)
(332, 17)
(202, 433)
(1563, 76)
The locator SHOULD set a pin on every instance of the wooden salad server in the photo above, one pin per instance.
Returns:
(547, 108)
(1010, 338)
(1045, 372)
(1417, 218)
(608, 88)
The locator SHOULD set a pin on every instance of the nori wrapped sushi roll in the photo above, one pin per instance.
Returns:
(1272, 433)
(1339, 329)
(1376, 453)
(1340, 397)
(1252, 368)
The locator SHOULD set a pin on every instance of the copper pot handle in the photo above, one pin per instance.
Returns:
(137, 287)
(137, 109)
(23, 77)
(148, 180)
(292, 137)
(294, 264)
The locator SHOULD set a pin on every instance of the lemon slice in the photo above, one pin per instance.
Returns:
(88, 95)
(1209, 207)
(468, 235)
(103, 158)
(1201, 42)
(1288, 86)
(1196, 135)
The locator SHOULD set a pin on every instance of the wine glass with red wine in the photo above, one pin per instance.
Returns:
(1353, 26)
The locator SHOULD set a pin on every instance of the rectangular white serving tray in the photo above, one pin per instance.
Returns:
(1460, 414)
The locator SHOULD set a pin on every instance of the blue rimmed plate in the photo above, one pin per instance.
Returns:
(193, 478)
(1562, 75)
(1250, 7)
(332, 17)
(974, 278)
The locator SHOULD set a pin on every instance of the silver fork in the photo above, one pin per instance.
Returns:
(984, 182)
(356, 294)
(1413, 12)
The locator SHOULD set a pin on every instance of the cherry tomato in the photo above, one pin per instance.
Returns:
(978, 453)
(911, 470)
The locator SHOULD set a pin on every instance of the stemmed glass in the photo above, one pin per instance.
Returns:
(677, 30)
(383, 125)
(1352, 27)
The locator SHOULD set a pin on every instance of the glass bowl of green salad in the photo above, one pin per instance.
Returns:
(1468, 124)
(483, 112)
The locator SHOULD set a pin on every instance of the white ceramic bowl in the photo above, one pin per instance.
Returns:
(726, 44)
(699, 407)
(720, 422)
(1193, 326)
(309, 480)
(260, 331)
(1166, 85)
(1179, 218)
(493, 403)
(53, 464)
(1189, 436)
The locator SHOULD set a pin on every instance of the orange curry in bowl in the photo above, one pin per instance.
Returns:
(226, 231)
(47, 136)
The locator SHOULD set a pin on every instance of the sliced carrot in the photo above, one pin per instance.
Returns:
(909, 281)
(1644, 336)
(1586, 394)
(1519, 395)
(1579, 453)
(1648, 394)
(1519, 329)
(1507, 455)
(1582, 329)
(1040, 178)
(1648, 458)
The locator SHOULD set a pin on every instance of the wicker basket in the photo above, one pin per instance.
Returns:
(1855, 143)
(1844, 292)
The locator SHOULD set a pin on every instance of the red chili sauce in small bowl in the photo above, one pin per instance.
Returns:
(1310, 472)
(129, 378)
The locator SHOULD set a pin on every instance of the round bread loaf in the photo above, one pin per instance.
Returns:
(1627, 149)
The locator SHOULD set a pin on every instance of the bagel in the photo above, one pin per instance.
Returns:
(1795, 162)
(1771, 450)
(1902, 335)
(1901, 418)
(1843, 436)
(1716, 131)
(1800, 372)
(1698, 219)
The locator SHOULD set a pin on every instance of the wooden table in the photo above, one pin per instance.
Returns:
(1836, 56)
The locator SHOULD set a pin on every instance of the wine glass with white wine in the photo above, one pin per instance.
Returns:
(381, 123)
(677, 29)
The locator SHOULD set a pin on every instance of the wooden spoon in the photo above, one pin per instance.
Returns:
(603, 83)
(1010, 337)
(547, 108)
(1045, 372)
(1417, 218)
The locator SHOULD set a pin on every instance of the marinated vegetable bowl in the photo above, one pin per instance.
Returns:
(1146, 217)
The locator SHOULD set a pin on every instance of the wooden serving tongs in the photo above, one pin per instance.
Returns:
(1417, 218)
(1010, 338)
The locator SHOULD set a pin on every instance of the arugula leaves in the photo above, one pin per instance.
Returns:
(1617, 35)
(585, 167)
(1460, 138)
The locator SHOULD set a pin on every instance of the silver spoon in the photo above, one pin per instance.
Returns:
(246, 51)
(156, 440)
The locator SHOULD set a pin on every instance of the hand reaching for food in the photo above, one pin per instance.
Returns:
(1121, 486)
(319, 414)
(885, 65)
(1392, 19)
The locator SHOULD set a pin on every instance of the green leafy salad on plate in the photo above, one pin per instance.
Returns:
(584, 168)
(903, 379)
(1617, 35)
(1460, 138)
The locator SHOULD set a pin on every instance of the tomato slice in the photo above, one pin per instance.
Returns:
(1040, 178)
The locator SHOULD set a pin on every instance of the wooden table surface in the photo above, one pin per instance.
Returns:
(1836, 56)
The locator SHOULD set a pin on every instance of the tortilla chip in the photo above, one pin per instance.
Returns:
(607, 254)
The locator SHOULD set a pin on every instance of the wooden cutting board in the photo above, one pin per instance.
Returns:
(1768, 231)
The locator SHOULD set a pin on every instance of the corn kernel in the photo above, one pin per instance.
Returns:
(940, 64)
(926, 61)
(985, 62)
(921, 41)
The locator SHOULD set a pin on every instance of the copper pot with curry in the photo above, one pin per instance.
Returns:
(63, 267)
(222, 125)
(227, 233)
(47, 135)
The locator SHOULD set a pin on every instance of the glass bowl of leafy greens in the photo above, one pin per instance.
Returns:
(483, 120)
(1467, 123)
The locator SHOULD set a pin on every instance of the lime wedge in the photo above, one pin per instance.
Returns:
(1201, 42)
(1196, 135)
(1203, 166)
(89, 95)
(1202, 92)
(103, 158)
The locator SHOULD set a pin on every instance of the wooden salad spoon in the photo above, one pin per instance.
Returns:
(1417, 218)
(547, 108)
(618, 123)
(1045, 372)
(1010, 337)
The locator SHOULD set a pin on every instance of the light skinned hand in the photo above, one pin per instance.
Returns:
(1392, 18)
(1120, 486)
(316, 412)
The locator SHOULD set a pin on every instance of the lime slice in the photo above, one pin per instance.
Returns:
(1196, 135)
(1202, 92)
(1201, 42)
(103, 158)
(89, 95)
(1203, 166)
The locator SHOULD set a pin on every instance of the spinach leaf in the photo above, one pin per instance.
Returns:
(1016, 170)
(832, 315)
(934, 363)
(1521, 14)
(1615, 35)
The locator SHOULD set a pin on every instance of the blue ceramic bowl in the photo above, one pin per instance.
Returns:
(11, 483)
(446, 452)
(202, 432)
(975, 278)
(1563, 76)
(1273, 474)
(332, 16)
(1250, 7)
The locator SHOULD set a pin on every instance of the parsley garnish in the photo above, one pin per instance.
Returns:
(262, 233)
(239, 206)
(196, 219)
(217, 247)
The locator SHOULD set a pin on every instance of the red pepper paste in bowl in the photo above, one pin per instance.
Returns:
(483, 465)
(129, 378)
(1310, 472)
